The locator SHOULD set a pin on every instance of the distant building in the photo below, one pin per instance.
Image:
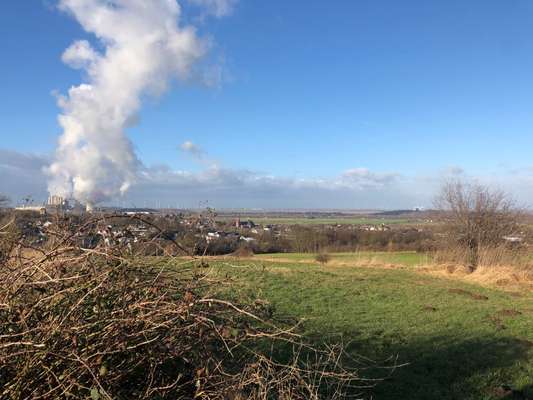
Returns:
(212, 236)
(244, 224)
(138, 211)
(56, 201)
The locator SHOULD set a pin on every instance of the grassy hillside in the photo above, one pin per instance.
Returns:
(461, 341)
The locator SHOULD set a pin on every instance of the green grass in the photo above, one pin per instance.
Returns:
(405, 258)
(457, 347)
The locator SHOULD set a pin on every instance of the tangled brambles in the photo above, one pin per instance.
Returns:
(95, 323)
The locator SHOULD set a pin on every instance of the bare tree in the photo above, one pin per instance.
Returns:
(477, 216)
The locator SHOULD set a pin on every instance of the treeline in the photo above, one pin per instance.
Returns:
(300, 239)
(317, 239)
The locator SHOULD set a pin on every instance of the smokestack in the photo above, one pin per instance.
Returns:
(89, 207)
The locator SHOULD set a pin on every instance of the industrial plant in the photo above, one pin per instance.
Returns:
(55, 204)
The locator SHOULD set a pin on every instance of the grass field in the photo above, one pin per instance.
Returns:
(461, 341)
(405, 258)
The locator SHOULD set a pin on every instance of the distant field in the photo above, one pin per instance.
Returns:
(406, 258)
(461, 341)
(325, 221)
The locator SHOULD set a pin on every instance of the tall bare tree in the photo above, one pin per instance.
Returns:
(477, 216)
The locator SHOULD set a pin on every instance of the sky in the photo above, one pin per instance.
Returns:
(338, 104)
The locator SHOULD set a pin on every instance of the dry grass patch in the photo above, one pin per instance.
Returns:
(505, 277)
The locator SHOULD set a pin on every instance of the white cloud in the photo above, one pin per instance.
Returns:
(193, 149)
(454, 171)
(80, 55)
(22, 175)
(363, 177)
(231, 188)
(217, 8)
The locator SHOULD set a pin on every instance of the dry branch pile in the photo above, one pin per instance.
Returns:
(99, 324)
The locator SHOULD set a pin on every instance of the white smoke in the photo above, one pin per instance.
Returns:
(144, 47)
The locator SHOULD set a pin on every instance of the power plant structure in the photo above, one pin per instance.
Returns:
(57, 201)
(57, 204)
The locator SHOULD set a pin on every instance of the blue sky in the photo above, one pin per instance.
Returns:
(307, 91)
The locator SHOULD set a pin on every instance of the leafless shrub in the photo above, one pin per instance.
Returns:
(477, 218)
(323, 258)
(102, 323)
(243, 251)
(8, 238)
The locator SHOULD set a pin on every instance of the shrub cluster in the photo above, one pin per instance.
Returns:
(102, 324)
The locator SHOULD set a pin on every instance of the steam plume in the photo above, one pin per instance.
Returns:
(143, 47)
